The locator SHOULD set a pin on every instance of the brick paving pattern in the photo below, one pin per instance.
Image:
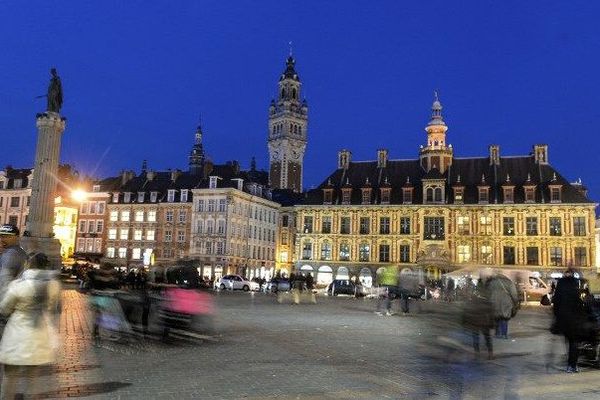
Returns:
(336, 349)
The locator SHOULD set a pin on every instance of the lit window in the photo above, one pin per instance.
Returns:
(151, 216)
(463, 225)
(139, 216)
(150, 234)
(486, 254)
(464, 253)
(136, 253)
(137, 234)
(125, 216)
(325, 251)
(124, 234)
(344, 252)
(114, 216)
(110, 252)
(112, 234)
(122, 252)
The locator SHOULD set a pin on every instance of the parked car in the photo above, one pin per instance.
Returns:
(237, 282)
(277, 285)
(344, 286)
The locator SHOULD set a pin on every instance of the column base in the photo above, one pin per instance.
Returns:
(48, 246)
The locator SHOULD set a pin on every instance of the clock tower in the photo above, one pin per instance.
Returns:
(288, 119)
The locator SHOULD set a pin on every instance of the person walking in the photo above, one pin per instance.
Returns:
(477, 317)
(30, 337)
(388, 285)
(569, 314)
(504, 298)
(12, 261)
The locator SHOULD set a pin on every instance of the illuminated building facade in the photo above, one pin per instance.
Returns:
(439, 212)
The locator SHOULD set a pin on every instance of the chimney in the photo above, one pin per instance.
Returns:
(540, 154)
(382, 158)
(344, 158)
(175, 174)
(150, 175)
(126, 176)
(494, 154)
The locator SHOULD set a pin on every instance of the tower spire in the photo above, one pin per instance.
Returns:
(436, 111)
(197, 156)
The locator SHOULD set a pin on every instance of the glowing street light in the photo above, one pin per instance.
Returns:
(79, 195)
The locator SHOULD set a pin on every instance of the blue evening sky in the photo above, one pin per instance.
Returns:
(137, 74)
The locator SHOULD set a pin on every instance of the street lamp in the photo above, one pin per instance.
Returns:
(79, 195)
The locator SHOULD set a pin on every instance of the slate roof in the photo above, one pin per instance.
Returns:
(16, 173)
(162, 182)
(518, 168)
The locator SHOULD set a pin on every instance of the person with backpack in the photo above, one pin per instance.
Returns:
(504, 299)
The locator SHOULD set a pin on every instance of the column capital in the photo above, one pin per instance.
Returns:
(51, 119)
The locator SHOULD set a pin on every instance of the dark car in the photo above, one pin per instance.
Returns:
(344, 286)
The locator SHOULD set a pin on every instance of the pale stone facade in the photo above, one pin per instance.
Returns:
(234, 231)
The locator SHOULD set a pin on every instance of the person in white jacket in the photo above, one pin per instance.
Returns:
(30, 336)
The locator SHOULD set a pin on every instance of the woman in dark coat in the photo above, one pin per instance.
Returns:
(570, 316)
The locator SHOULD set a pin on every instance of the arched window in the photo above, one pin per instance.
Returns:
(429, 195)
(294, 93)
(326, 251)
(364, 252)
(438, 194)
(282, 92)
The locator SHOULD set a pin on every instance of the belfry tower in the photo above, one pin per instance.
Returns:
(288, 119)
(197, 157)
(437, 153)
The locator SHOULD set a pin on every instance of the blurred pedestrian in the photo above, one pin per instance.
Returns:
(388, 286)
(570, 315)
(478, 317)
(409, 287)
(505, 302)
(30, 337)
(12, 261)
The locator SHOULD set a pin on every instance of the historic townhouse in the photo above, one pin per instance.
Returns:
(441, 212)
(234, 226)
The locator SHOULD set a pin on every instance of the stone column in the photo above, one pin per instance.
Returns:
(39, 234)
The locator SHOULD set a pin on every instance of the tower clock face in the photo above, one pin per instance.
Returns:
(295, 155)
(276, 155)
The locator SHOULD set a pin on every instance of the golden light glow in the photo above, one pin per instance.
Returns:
(79, 195)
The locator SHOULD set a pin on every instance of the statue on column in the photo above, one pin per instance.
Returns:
(55, 94)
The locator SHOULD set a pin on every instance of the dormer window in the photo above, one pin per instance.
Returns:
(212, 184)
(509, 194)
(140, 198)
(184, 195)
(529, 194)
(171, 195)
(18, 183)
(459, 194)
(115, 197)
(126, 197)
(385, 195)
(346, 195)
(433, 194)
(327, 196)
(96, 188)
(366, 196)
(484, 194)
(153, 196)
(407, 195)
(555, 195)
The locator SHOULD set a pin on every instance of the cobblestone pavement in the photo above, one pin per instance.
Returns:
(336, 349)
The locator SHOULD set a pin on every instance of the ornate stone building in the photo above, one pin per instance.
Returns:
(288, 119)
(441, 212)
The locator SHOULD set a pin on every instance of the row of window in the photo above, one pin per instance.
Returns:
(148, 216)
(138, 234)
(463, 254)
(364, 252)
(435, 195)
(141, 196)
(92, 207)
(137, 253)
(435, 226)
(89, 245)
(253, 232)
(15, 201)
(91, 226)
(236, 249)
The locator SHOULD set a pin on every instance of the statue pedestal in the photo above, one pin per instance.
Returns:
(48, 246)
